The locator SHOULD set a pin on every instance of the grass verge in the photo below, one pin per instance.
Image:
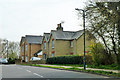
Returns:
(111, 67)
(107, 73)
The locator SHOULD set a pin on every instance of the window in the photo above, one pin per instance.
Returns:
(22, 48)
(26, 59)
(53, 53)
(26, 47)
(44, 56)
(22, 57)
(52, 43)
(71, 43)
(44, 45)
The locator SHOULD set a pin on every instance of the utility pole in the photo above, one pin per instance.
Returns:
(84, 33)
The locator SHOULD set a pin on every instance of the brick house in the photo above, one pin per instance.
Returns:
(30, 44)
(45, 45)
(67, 42)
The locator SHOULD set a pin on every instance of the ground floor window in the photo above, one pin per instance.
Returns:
(53, 54)
(44, 56)
(22, 57)
(26, 59)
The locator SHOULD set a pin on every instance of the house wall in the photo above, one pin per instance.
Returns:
(46, 51)
(61, 47)
(80, 44)
(32, 48)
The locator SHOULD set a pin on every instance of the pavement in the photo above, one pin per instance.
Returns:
(115, 71)
(22, 71)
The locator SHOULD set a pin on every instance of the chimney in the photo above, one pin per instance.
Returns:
(59, 27)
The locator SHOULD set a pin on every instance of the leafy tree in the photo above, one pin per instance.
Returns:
(104, 22)
(13, 48)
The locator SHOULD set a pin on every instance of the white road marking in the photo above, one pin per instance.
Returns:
(37, 74)
(28, 70)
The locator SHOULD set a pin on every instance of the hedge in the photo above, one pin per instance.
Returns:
(65, 60)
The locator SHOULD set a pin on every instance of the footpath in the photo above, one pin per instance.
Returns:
(114, 71)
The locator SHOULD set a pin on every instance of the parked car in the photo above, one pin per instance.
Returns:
(3, 61)
(35, 58)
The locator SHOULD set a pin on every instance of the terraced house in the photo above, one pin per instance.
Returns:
(30, 44)
(66, 42)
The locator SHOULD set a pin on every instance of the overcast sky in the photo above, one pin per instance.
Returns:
(34, 17)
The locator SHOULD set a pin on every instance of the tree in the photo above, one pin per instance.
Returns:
(13, 48)
(104, 22)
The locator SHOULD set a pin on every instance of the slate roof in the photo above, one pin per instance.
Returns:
(66, 35)
(47, 36)
(33, 39)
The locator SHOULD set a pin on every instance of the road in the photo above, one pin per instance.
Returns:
(20, 71)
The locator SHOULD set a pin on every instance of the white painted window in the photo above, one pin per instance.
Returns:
(22, 57)
(26, 59)
(53, 54)
(45, 45)
(26, 47)
(71, 43)
(52, 43)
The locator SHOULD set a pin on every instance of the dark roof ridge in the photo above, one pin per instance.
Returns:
(33, 36)
(46, 33)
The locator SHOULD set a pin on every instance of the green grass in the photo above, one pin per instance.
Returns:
(108, 73)
(112, 67)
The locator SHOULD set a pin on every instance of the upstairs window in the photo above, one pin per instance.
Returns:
(26, 47)
(71, 44)
(44, 45)
(53, 43)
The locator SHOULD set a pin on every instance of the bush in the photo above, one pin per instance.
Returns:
(100, 55)
(88, 59)
(65, 60)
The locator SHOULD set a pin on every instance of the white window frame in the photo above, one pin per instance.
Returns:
(52, 43)
(44, 45)
(71, 44)
(26, 59)
(22, 57)
(53, 54)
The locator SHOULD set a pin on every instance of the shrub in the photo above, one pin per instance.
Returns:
(100, 55)
(65, 60)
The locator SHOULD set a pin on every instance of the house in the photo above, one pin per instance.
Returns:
(67, 42)
(30, 44)
(45, 45)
